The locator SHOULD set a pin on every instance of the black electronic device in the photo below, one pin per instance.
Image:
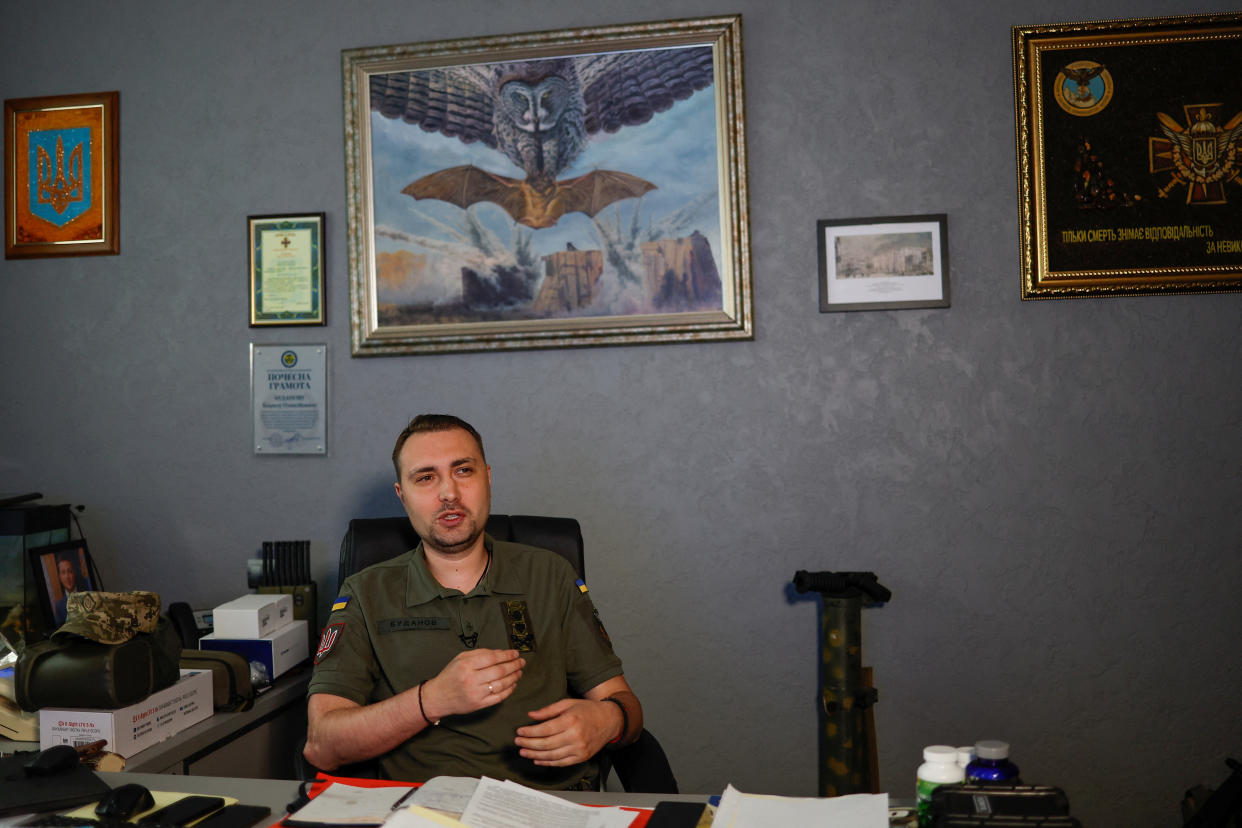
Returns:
(236, 816)
(669, 814)
(998, 800)
(125, 801)
(56, 759)
(183, 811)
(22, 793)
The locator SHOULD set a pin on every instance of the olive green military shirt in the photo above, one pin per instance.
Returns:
(394, 626)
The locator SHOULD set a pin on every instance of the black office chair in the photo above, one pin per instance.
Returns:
(371, 540)
(642, 767)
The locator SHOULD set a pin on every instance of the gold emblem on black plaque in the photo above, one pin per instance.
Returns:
(1202, 155)
(1083, 88)
(521, 631)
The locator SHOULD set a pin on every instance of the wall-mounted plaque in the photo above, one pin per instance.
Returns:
(289, 397)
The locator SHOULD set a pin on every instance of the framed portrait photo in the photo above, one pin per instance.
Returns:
(61, 179)
(59, 570)
(1129, 156)
(887, 263)
(548, 189)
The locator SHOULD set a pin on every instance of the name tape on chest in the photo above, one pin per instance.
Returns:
(392, 625)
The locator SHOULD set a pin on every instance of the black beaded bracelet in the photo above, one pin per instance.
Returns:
(420, 706)
(625, 719)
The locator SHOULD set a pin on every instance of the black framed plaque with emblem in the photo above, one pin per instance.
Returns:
(1129, 139)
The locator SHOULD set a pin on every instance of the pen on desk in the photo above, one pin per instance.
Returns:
(400, 802)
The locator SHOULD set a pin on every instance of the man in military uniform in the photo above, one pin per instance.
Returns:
(465, 656)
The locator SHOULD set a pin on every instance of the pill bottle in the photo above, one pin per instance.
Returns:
(991, 763)
(939, 768)
(965, 755)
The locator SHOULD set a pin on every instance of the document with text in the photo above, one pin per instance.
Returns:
(740, 810)
(510, 805)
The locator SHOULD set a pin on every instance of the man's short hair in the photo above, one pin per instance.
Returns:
(428, 423)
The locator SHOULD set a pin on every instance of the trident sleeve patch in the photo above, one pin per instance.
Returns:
(331, 634)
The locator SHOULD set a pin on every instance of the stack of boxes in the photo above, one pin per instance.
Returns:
(260, 628)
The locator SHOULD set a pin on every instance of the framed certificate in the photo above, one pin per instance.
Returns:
(289, 398)
(286, 270)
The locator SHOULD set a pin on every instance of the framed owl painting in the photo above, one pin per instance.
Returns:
(551, 189)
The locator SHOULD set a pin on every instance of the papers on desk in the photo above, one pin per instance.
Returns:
(740, 810)
(510, 805)
(481, 803)
(340, 804)
(487, 803)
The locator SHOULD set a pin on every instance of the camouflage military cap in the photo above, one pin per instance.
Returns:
(110, 617)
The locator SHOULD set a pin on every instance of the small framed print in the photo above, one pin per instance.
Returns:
(886, 263)
(286, 269)
(61, 569)
(60, 175)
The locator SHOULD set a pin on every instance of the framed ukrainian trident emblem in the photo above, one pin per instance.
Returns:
(60, 175)
(1129, 138)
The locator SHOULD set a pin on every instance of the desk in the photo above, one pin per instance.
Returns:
(256, 743)
(277, 793)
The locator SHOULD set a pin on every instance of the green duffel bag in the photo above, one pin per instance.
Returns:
(113, 650)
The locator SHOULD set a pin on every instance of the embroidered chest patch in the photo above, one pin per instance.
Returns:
(521, 630)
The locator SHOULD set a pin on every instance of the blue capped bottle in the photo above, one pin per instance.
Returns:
(991, 763)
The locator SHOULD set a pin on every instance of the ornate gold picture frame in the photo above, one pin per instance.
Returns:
(1129, 143)
(551, 189)
(61, 181)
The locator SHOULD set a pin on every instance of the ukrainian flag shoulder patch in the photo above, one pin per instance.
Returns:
(340, 603)
(582, 587)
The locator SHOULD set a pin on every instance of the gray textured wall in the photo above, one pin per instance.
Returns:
(1050, 489)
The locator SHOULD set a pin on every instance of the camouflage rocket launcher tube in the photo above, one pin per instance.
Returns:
(844, 747)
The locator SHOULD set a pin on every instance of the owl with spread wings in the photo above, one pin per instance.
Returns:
(540, 114)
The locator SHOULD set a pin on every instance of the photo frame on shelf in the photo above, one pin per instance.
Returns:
(885, 263)
(550, 189)
(59, 569)
(286, 269)
(61, 175)
(1129, 142)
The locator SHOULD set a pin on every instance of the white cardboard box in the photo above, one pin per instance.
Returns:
(279, 652)
(252, 616)
(128, 730)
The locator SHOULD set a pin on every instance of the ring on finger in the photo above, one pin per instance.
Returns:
(490, 691)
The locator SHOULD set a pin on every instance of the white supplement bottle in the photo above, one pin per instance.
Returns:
(939, 767)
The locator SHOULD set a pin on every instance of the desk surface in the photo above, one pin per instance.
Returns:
(277, 793)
